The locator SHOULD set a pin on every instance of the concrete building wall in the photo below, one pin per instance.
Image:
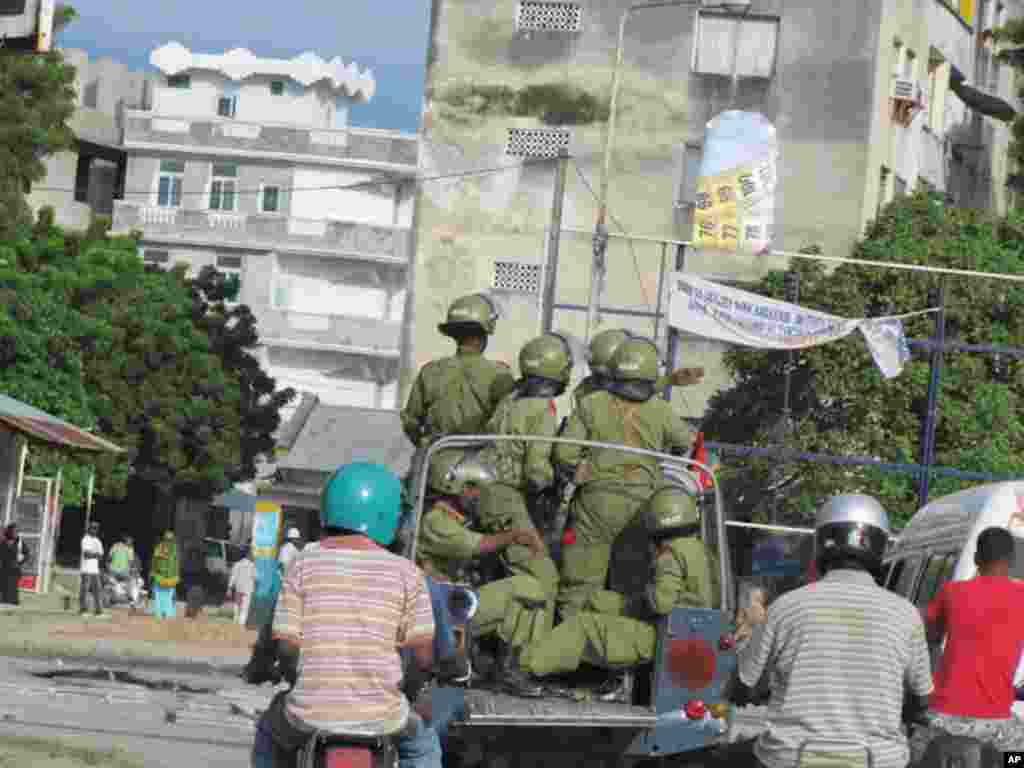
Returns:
(313, 106)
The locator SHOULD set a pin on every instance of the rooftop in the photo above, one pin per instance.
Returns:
(240, 63)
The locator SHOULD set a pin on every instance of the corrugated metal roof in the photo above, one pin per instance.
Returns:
(335, 435)
(33, 422)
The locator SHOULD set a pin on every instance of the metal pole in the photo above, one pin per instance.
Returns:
(793, 298)
(661, 291)
(928, 438)
(598, 269)
(673, 333)
(554, 236)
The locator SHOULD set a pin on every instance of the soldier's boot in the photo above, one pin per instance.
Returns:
(619, 688)
(513, 679)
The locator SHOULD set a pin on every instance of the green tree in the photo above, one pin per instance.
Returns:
(150, 359)
(841, 404)
(1010, 38)
(37, 98)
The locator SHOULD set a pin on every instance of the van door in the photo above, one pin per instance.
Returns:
(938, 569)
(902, 575)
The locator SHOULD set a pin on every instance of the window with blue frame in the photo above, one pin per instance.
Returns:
(169, 183)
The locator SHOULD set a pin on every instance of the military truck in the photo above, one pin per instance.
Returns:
(678, 710)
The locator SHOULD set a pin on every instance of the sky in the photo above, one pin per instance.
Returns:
(391, 43)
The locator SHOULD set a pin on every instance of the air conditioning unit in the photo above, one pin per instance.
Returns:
(904, 89)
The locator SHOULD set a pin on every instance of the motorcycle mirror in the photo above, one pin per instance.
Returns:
(462, 604)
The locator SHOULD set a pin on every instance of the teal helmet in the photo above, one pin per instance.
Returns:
(365, 498)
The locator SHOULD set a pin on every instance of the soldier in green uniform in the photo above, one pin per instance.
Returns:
(457, 394)
(511, 608)
(600, 352)
(613, 485)
(618, 632)
(524, 469)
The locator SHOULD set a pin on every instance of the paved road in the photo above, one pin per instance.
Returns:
(168, 729)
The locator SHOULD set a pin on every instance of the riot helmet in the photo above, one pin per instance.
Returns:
(634, 369)
(473, 315)
(455, 472)
(851, 527)
(671, 512)
(602, 348)
(545, 364)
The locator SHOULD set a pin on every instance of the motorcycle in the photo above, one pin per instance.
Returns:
(129, 591)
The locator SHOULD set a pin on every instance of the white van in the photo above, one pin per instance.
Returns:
(938, 545)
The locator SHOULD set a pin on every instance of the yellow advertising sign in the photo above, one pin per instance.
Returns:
(726, 215)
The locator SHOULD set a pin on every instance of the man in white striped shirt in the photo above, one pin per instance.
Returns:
(840, 654)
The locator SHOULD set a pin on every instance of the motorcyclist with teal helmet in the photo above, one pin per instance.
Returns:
(387, 605)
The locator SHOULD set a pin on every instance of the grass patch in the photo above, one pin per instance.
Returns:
(19, 751)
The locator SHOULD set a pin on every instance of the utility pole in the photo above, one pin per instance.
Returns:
(928, 438)
(547, 315)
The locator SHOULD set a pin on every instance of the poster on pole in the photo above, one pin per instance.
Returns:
(735, 202)
(266, 533)
(716, 311)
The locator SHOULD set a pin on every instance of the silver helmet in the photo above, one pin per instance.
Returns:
(852, 525)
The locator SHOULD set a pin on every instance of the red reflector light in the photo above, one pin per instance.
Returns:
(691, 663)
(695, 709)
(348, 757)
(727, 642)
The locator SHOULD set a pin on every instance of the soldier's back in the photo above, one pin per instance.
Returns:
(459, 394)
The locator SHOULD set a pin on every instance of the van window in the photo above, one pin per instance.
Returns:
(901, 578)
(937, 571)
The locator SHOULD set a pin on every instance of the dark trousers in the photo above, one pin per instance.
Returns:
(90, 583)
(9, 587)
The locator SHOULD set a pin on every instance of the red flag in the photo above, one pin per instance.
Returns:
(700, 453)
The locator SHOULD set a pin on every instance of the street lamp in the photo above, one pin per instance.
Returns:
(601, 230)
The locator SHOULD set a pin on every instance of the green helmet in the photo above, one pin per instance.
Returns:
(603, 346)
(453, 469)
(670, 509)
(476, 312)
(636, 359)
(548, 357)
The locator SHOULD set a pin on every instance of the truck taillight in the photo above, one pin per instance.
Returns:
(696, 709)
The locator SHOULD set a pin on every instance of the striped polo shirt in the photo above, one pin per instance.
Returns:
(349, 604)
(840, 654)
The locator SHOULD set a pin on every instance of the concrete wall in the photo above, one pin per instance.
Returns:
(819, 97)
(313, 106)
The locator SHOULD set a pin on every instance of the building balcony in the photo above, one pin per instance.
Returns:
(347, 146)
(362, 336)
(268, 232)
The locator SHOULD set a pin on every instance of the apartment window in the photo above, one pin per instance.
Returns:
(230, 266)
(222, 187)
(226, 106)
(168, 194)
(277, 87)
(727, 45)
(181, 82)
(270, 199)
(157, 257)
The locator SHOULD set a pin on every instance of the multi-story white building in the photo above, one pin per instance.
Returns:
(249, 164)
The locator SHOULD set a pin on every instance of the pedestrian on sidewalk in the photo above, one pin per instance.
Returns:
(292, 547)
(165, 575)
(13, 554)
(92, 556)
(241, 586)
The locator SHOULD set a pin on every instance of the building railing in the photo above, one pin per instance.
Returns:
(377, 337)
(266, 231)
(225, 133)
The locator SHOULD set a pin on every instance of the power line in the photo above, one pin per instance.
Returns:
(374, 182)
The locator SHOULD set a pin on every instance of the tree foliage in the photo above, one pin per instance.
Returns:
(152, 360)
(37, 98)
(1010, 38)
(841, 404)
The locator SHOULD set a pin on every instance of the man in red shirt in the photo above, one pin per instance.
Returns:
(980, 619)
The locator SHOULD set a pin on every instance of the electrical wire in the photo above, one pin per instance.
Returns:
(374, 182)
(616, 222)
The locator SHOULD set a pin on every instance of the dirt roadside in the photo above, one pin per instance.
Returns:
(19, 752)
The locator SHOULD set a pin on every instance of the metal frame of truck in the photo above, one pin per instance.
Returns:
(618, 732)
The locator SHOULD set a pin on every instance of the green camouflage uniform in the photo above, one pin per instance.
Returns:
(604, 506)
(453, 396)
(508, 607)
(611, 633)
(520, 468)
